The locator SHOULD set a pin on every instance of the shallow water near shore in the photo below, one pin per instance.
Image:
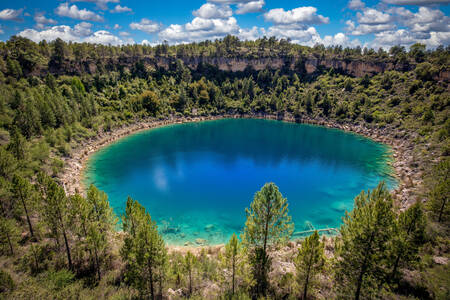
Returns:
(196, 179)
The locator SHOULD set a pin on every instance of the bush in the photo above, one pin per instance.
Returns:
(6, 282)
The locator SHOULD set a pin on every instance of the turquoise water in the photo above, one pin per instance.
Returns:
(196, 179)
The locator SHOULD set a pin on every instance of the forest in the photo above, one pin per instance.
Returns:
(56, 245)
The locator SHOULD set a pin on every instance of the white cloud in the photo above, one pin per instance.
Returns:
(41, 20)
(103, 37)
(80, 33)
(303, 15)
(373, 17)
(1, 30)
(9, 14)
(120, 9)
(364, 29)
(356, 4)
(250, 7)
(230, 1)
(117, 26)
(250, 34)
(212, 11)
(83, 29)
(101, 4)
(340, 39)
(124, 33)
(404, 37)
(200, 29)
(416, 2)
(73, 12)
(425, 20)
(146, 25)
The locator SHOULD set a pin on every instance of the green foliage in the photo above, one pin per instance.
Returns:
(6, 282)
(45, 113)
(363, 244)
(267, 224)
(189, 264)
(143, 251)
(309, 262)
(408, 237)
(440, 191)
(22, 191)
(9, 235)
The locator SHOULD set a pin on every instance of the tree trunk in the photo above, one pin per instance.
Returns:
(26, 213)
(97, 264)
(190, 283)
(305, 288)
(363, 267)
(150, 272)
(69, 258)
(10, 244)
(234, 268)
(441, 210)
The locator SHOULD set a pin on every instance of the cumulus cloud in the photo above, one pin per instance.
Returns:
(124, 33)
(79, 33)
(41, 20)
(364, 29)
(356, 4)
(250, 34)
(9, 14)
(83, 29)
(117, 26)
(101, 4)
(103, 37)
(372, 16)
(299, 15)
(404, 37)
(200, 29)
(425, 20)
(212, 11)
(120, 9)
(250, 7)
(73, 12)
(340, 39)
(230, 1)
(146, 25)
(416, 2)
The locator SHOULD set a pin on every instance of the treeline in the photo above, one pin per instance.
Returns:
(59, 246)
(20, 57)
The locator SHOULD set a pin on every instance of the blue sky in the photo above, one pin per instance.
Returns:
(371, 23)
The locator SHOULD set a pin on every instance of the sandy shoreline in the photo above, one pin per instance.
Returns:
(409, 180)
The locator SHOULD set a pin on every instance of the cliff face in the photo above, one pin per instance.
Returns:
(310, 65)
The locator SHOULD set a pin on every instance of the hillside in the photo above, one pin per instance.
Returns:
(61, 101)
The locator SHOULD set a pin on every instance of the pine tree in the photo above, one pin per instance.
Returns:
(362, 246)
(441, 190)
(268, 223)
(189, 266)
(409, 233)
(55, 211)
(309, 262)
(232, 257)
(9, 234)
(22, 191)
(143, 251)
(101, 223)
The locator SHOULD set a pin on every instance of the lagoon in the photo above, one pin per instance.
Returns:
(196, 179)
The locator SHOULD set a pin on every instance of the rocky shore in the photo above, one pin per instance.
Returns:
(404, 161)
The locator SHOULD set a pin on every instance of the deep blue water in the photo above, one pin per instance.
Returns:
(196, 179)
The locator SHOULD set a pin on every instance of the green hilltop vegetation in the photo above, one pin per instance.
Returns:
(58, 246)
